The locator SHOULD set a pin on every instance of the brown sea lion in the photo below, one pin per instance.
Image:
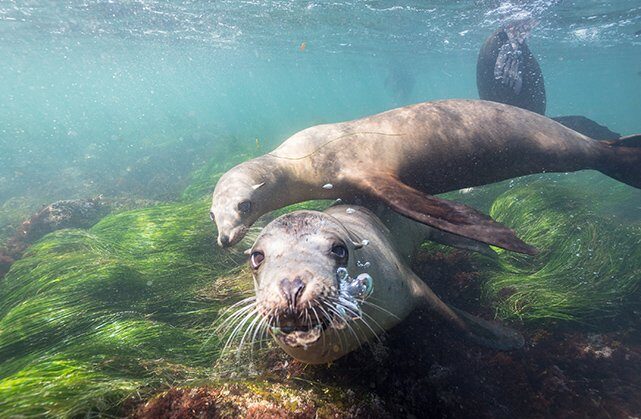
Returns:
(401, 156)
(327, 282)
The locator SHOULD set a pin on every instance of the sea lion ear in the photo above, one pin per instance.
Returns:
(258, 186)
(442, 214)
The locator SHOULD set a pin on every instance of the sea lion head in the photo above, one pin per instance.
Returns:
(238, 201)
(295, 262)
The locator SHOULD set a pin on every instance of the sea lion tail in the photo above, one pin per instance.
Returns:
(623, 160)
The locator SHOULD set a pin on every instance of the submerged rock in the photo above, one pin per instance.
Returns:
(76, 213)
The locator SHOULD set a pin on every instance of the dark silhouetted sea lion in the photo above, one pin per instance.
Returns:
(327, 282)
(400, 157)
(506, 70)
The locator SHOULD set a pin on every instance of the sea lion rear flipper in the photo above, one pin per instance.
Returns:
(480, 331)
(508, 67)
(442, 214)
(622, 159)
(489, 334)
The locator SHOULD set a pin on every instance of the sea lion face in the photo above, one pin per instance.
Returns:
(295, 263)
(236, 205)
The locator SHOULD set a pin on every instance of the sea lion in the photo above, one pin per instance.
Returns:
(506, 70)
(400, 156)
(317, 312)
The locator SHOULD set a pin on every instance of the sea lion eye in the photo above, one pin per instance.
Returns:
(256, 259)
(211, 216)
(339, 251)
(244, 207)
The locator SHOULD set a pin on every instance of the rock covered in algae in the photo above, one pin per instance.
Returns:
(588, 267)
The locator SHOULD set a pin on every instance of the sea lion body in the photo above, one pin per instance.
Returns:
(297, 249)
(400, 156)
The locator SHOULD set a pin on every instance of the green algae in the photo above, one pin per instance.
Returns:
(91, 318)
(99, 315)
(588, 265)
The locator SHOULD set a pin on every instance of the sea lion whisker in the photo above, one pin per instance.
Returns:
(359, 317)
(346, 322)
(308, 319)
(248, 330)
(230, 325)
(319, 321)
(328, 316)
(376, 306)
(225, 313)
(258, 333)
(228, 322)
(239, 327)
(265, 332)
(228, 312)
(363, 313)
(364, 321)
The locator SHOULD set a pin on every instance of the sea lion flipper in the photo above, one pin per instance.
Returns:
(442, 214)
(509, 61)
(492, 335)
(478, 330)
(460, 242)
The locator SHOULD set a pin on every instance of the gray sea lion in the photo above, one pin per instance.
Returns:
(317, 312)
(399, 157)
(506, 70)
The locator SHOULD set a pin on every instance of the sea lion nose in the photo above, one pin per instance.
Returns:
(292, 290)
(223, 240)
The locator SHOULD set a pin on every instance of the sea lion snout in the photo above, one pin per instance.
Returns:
(292, 290)
(223, 240)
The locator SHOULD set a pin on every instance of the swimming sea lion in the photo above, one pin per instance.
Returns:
(506, 70)
(400, 156)
(317, 312)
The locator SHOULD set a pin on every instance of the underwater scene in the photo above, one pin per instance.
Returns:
(320, 209)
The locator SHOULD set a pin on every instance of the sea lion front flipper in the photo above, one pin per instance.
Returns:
(442, 214)
(460, 242)
(478, 330)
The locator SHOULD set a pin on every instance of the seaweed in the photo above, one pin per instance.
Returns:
(587, 268)
(91, 317)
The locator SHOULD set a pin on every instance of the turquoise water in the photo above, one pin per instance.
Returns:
(105, 79)
(126, 99)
